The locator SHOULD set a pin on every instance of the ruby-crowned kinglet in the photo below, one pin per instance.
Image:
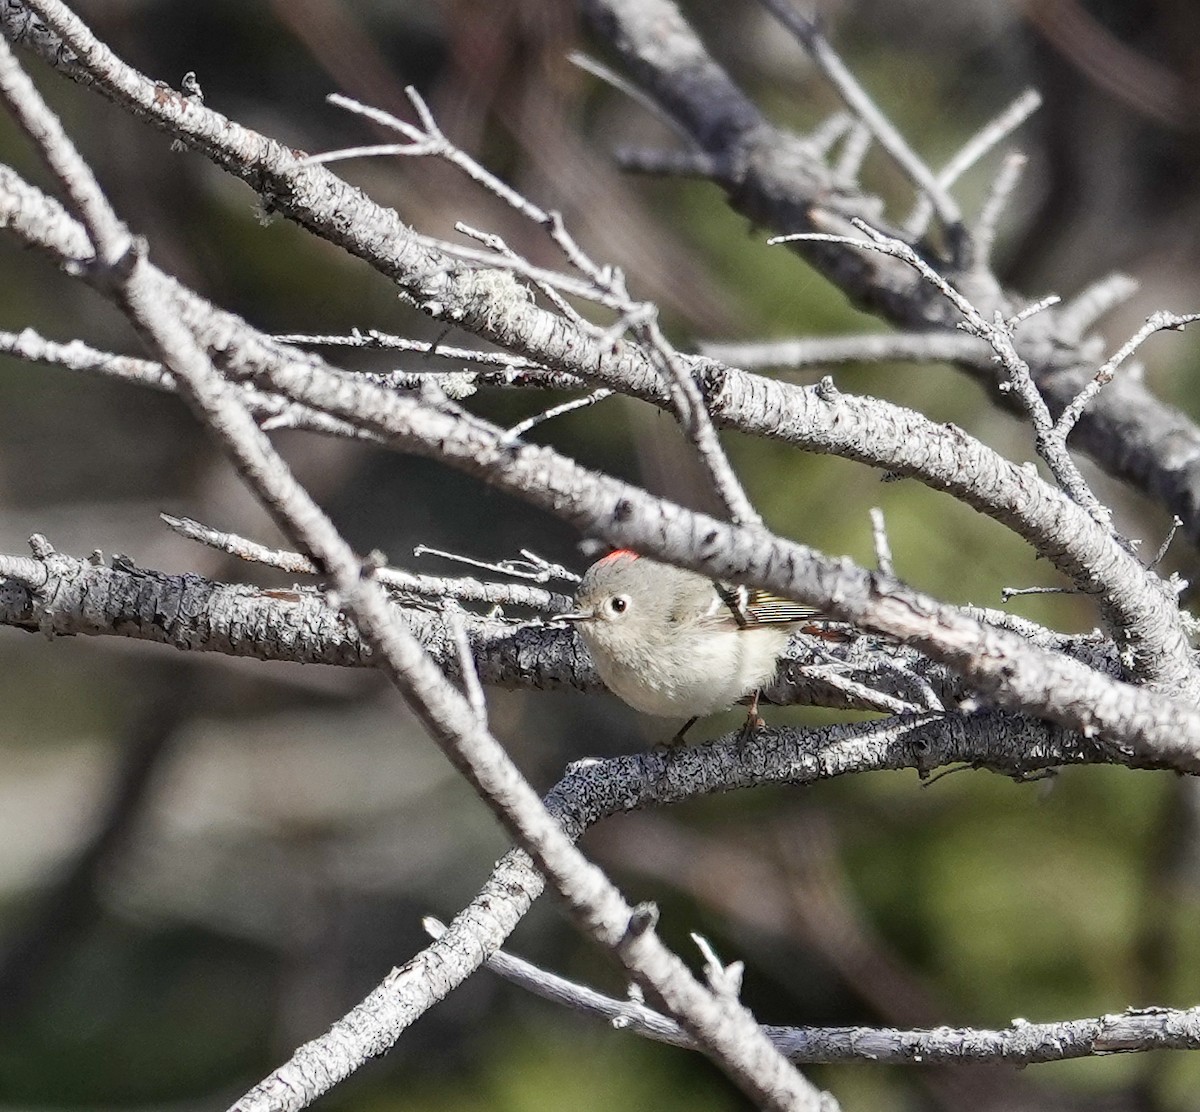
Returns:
(673, 643)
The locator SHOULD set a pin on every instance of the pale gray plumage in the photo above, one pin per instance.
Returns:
(668, 643)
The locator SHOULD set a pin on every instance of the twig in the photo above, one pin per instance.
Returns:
(530, 566)
(610, 77)
(998, 332)
(1156, 322)
(432, 141)
(724, 980)
(1087, 307)
(697, 423)
(1160, 555)
(426, 586)
(667, 163)
(823, 137)
(872, 347)
(522, 427)
(853, 152)
(270, 410)
(991, 134)
(860, 693)
(452, 614)
(374, 339)
(497, 244)
(486, 260)
(883, 550)
(609, 290)
(78, 356)
(861, 104)
(1007, 593)
(109, 238)
(1007, 179)
(1024, 1043)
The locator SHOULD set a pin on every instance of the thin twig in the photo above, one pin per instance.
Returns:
(1007, 593)
(530, 566)
(989, 136)
(610, 291)
(610, 77)
(860, 103)
(522, 427)
(1156, 322)
(374, 339)
(452, 614)
(1095, 301)
(998, 333)
(853, 153)
(859, 693)
(871, 347)
(697, 423)
(1003, 185)
(1136, 1029)
(883, 550)
(424, 586)
(823, 137)
(110, 239)
(1160, 555)
(497, 244)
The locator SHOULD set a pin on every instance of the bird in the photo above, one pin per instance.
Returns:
(676, 644)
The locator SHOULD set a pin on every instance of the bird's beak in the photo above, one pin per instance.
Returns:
(575, 616)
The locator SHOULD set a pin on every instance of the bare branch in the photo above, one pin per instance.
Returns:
(522, 427)
(830, 131)
(1004, 184)
(1156, 322)
(610, 77)
(426, 586)
(593, 790)
(853, 153)
(1147, 617)
(883, 550)
(452, 614)
(990, 135)
(860, 103)
(791, 415)
(873, 347)
(530, 566)
(999, 333)
(1082, 312)
(1132, 1031)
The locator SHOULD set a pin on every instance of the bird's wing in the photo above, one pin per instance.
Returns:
(752, 606)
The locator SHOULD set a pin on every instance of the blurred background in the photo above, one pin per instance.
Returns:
(204, 862)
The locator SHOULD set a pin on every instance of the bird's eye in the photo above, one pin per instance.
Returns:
(618, 604)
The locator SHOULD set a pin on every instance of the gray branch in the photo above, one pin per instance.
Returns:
(1144, 614)
(59, 595)
(1135, 1030)
(594, 790)
(780, 181)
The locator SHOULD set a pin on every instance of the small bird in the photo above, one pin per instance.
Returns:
(673, 643)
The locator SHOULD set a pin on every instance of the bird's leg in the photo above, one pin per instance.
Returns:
(677, 740)
(754, 720)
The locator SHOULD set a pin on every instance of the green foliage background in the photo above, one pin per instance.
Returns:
(294, 828)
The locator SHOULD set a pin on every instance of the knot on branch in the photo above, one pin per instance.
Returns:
(642, 920)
